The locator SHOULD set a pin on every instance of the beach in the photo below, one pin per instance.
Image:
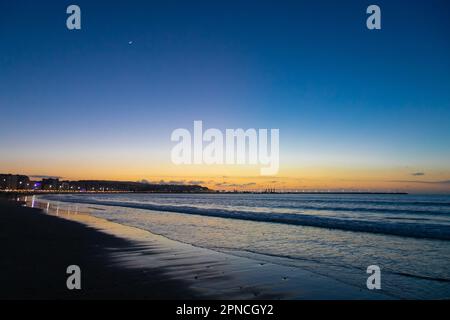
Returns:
(38, 248)
(123, 262)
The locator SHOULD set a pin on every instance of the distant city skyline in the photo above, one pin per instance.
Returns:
(356, 108)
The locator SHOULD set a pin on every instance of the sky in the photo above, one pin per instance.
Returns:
(356, 108)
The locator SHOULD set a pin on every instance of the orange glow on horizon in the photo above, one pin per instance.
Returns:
(247, 178)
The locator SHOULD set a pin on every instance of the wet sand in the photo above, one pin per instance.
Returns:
(121, 262)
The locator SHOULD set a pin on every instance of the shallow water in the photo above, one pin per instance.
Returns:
(334, 235)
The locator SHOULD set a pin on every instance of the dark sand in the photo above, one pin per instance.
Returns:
(121, 262)
(37, 248)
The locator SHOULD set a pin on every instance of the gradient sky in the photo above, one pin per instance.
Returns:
(355, 108)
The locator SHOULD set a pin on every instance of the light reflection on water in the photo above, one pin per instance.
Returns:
(411, 267)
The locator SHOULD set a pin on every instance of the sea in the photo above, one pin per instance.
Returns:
(336, 235)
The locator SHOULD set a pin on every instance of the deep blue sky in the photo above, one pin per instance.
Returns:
(310, 68)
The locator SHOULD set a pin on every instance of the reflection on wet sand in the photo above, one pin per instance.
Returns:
(208, 273)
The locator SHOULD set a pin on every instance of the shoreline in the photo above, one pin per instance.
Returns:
(122, 262)
(37, 248)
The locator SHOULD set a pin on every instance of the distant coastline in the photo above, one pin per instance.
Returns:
(23, 184)
(16, 183)
(31, 192)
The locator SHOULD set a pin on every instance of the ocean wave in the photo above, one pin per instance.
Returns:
(410, 275)
(408, 210)
(405, 229)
